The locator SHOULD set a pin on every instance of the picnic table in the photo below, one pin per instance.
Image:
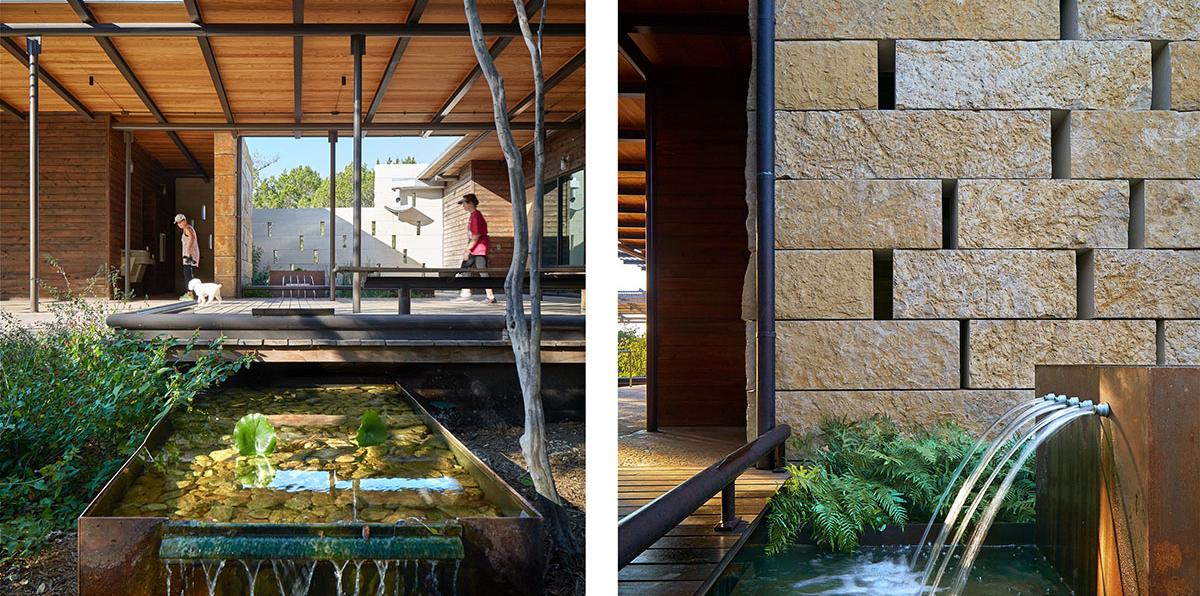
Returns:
(406, 279)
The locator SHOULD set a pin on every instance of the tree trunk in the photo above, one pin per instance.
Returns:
(524, 332)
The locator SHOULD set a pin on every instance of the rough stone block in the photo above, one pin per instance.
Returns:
(1185, 76)
(1043, 213)
(1148, 144)
(1079, 75)
(1172, 213)
(858, 214)
(924, 19)
(1182, 345)
(972, 409)
(967, 284)
(823, 284)
(1002, 354)
(826, 75)
(867, 355)
(1160, 284)
(913, 144)
(1139, 19)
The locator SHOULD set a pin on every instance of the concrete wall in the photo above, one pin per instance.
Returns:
(951, 213)
(277, 232)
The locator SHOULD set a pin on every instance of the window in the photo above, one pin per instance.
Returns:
(563, 215)
(418, 228)
(275, 256)
(405, 254)
(315, 256)
(393, 242)
(343, 241)
(210, 236)
(204, 212)
(301, 242)
(268, 229)
(322, 227)
(372, 228)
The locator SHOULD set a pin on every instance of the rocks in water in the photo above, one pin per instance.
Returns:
(319, 469)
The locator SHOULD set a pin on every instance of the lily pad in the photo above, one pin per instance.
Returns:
(372, 430)
(255, 472)
(254, 435)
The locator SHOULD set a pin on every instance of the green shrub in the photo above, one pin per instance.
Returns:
(633, 362)
(76, 399)
(855, 476)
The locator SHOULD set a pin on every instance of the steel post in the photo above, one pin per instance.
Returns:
(34, 48)
(358, 46)
(729, 519)
(332, 215)
(765, 131)
(125, 261)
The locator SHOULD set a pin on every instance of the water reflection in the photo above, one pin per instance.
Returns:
(325, 481)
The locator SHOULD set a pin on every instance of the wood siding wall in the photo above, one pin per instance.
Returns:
(700, 245)
(489, 181)
(74, 203)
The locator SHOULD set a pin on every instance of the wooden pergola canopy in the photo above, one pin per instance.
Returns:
(242, 64)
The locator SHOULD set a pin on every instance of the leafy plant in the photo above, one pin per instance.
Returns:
(633, 362)
(76, 399)
(371, 430)
(253, 435)
(859, 475)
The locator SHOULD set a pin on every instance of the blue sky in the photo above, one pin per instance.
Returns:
(314, 151)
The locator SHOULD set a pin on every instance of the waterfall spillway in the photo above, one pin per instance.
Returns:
(295, 577)
(1026, 425)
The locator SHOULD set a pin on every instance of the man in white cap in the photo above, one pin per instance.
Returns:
(191, 248)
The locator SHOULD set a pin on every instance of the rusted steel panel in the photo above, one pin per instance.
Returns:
(119, 555)
(1119, 498)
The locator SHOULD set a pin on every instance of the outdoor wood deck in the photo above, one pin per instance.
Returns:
(682, 561)
(444, 303)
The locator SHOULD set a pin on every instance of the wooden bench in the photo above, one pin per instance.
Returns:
(406, 279)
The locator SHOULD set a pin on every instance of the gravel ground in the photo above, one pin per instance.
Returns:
(50, 572)
(497, 443)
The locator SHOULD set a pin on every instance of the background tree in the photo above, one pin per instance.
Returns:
(296, 187)
(345, 188)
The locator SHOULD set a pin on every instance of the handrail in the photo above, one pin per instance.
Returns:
(638, 530)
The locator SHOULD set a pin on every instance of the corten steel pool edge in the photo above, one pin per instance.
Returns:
(121, 554)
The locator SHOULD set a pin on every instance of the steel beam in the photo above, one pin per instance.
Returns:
(114, 55)
(11, 109)
(319, 127)
(35, 49)
(414, 14)
(210, 60)
(468, 82)
(559, 75)
(109, 30)
(358, 46)
(634, 55)
(15, 49)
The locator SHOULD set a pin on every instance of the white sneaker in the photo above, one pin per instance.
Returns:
(491, 300)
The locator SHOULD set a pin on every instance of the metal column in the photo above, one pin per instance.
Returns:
(34, 48)
(358, 46)
(128, 174)
(332, 214)
(765, 131)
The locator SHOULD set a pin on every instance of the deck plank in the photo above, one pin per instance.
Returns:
(680, 562)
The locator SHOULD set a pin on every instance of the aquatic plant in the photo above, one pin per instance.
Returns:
(371, 430)
(76, 399)
(856, 476)
(253, 435)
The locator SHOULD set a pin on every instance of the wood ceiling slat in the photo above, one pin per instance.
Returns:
(631, 113)
(518, 75)
(631, 151)
(327, 59)
(429, 72)
(356, 11)
(14, 87)
(258, 74)
(247, 11)
(74, 59)
(185, 88)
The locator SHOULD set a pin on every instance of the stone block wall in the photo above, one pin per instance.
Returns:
(969, 188)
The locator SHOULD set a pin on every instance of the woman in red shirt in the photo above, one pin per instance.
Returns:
(475, 256)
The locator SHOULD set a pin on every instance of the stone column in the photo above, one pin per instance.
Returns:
(225, 213)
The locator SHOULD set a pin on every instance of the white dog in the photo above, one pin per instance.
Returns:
(205, 293)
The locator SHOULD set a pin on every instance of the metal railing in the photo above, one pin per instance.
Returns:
(642, 528)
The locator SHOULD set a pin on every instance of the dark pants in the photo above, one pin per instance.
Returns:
(475, 262)
(187, 273)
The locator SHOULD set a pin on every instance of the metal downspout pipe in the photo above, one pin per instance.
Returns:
(765, 157)
(128, 180)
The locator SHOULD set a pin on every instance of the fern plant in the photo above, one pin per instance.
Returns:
(860, 475)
